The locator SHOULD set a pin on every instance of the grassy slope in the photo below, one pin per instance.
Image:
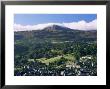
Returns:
(68, 58)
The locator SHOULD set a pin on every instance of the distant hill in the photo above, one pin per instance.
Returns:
(55, 33)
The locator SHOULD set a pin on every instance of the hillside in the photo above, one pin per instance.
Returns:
(54, 49)
(57, 34)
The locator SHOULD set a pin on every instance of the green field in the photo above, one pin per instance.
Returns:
(67, 57)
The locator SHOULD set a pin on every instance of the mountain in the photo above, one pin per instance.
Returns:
(56, 27)
(55, 33)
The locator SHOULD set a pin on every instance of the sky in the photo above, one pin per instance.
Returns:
(33, 19)
(39, 21)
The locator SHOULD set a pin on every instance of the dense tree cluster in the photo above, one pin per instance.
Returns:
(87, 66)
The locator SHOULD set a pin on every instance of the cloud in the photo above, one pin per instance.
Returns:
(80, 25)
(19, 27)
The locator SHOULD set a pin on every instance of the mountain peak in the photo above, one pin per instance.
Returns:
(56, 27)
